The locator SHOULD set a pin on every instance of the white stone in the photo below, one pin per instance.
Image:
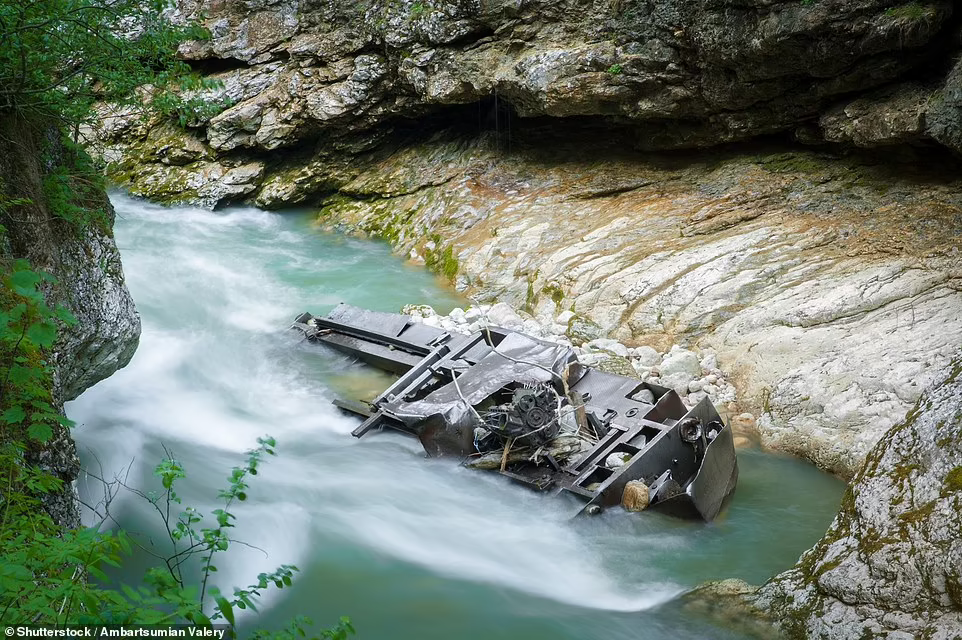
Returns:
(610, 346)
(645, 395)
(533, 327)
(616, 460)
(457, 315)
(591, 359)
(501, 315)
(695, 385)
(675, 380)
(647, 356)
(709, 362)
(681, 361)
(565, 317)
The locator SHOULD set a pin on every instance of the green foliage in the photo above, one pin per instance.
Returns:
(417, 9)
(615, 69)
(45, 576)
(911, 11)
(58, 56)
(28, 329)
(73, 188)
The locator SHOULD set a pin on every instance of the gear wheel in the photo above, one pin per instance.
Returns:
(526, 402)
(536, 418)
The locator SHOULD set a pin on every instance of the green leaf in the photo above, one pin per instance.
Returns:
(43, 334)
(39, 431)
(15, 572)
(64, 315)
(13, 415)
(131, 594)
(225, 608)
(25, 282)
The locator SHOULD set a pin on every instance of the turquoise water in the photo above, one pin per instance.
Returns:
(407, 547)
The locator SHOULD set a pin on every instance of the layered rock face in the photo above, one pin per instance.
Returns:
(90, 283)
(890, 565)
(312, 82)
(829, 288)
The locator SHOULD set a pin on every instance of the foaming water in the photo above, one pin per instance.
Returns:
(408, 547)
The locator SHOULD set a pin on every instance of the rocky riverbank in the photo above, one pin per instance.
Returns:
(828, 287)
(494, 141)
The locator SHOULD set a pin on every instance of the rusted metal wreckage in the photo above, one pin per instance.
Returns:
(506, 401)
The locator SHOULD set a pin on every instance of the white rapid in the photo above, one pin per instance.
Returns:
(408, 547)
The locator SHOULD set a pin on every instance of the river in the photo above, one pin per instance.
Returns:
(405, 546)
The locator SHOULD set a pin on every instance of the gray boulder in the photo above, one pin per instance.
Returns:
(890, 565)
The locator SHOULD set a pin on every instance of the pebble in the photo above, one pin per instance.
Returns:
(645, 395)
(743, 423)
(646, 356)
(709, 362)
(680, 361)
(606, 344)
(616, 460)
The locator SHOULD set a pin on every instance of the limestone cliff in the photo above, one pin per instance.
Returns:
(313, 82)
(890, 565)
(90, 278)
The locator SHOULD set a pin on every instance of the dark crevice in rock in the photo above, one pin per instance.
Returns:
(211, 66)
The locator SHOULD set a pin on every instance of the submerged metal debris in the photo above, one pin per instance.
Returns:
(506, 401)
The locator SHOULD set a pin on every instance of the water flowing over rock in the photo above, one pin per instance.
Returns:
(890, 565)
